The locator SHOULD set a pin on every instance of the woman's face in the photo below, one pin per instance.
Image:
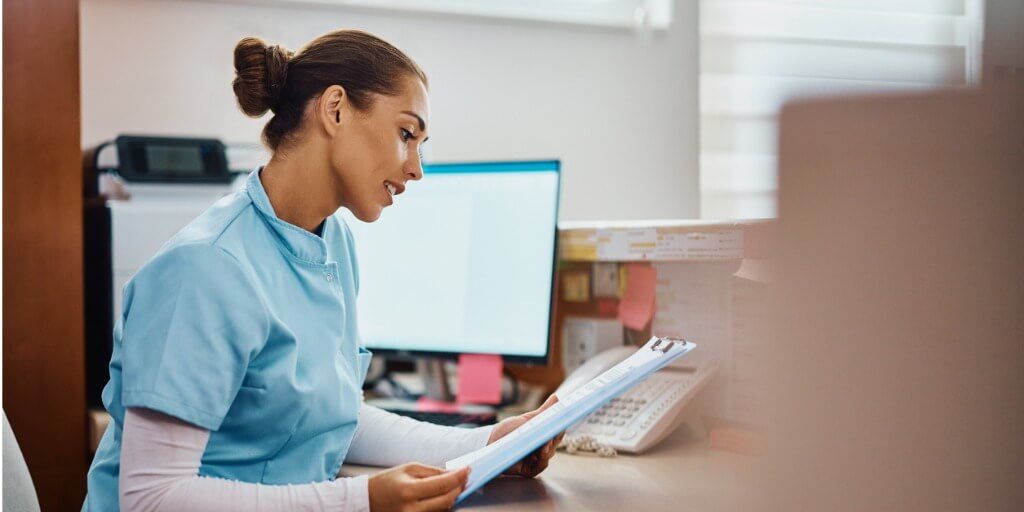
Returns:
(374, 153)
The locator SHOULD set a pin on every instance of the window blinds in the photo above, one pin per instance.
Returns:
(757, 54)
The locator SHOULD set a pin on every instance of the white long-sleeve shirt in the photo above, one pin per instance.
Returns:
(161, 456)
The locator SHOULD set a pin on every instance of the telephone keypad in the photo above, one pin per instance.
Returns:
(625, 418)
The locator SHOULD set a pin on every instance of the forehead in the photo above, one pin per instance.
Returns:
(413, 98)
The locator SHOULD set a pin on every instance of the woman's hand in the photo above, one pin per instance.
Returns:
(531, 465)
(414, 487)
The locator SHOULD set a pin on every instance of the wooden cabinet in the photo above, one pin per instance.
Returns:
(43, 347)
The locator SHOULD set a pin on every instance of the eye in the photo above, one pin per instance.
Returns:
(405, 134)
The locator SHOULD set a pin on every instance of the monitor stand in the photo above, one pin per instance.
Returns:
(437, 404)
(435, 380)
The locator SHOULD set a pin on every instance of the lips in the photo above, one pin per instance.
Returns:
(393, 188)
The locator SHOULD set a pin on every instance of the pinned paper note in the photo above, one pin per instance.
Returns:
(479, 379)
(637, 305)
(606, 279)
(576, 286)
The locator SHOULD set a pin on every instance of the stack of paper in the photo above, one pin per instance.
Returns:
(651, 240)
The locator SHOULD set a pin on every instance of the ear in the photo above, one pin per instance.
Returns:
(330, 109)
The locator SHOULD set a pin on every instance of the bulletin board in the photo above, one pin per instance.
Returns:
(687, 270)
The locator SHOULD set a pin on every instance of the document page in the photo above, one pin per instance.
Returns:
(489, 461)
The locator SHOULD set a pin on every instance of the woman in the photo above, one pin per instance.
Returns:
(235, 382)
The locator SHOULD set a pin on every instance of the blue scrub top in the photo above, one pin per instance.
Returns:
(244, 325)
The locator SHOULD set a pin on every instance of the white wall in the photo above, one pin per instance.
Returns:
(621, 114)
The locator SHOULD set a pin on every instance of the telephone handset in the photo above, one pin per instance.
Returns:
(641, 417)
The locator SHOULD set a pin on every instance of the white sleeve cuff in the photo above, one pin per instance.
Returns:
(478, 438)
(387, 439)
(356, 496)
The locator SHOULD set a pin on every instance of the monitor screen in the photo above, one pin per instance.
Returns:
(463, 262)
(174, 159)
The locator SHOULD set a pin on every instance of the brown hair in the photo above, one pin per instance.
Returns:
(273, 78)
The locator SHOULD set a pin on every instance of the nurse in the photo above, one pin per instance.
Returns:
(235, 381)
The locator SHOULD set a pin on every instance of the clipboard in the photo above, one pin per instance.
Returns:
(491, 460)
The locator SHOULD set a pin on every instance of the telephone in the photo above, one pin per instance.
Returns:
(641, 417)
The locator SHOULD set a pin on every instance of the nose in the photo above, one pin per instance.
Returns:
(414, 170)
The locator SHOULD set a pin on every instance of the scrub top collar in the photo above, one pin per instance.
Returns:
(295, 241)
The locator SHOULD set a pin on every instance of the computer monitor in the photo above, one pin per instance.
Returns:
(463, 262)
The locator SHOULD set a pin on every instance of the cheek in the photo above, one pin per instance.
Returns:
(389, 150)
(355, 160)
(363, 160)
(375, 150)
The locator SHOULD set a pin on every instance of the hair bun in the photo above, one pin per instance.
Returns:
(260, 74)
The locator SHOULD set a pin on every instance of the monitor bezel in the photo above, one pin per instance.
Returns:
(491, 166)
(133, 166)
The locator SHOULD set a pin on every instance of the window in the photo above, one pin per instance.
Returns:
(638, 14)
(757, 54)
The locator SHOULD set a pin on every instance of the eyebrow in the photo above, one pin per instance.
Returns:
(423, 125)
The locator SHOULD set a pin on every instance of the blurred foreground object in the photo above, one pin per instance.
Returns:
(19, 493)
(896, 374)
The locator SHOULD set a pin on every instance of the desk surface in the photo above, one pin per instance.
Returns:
(680, 473)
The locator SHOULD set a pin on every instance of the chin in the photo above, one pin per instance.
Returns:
(368, 214)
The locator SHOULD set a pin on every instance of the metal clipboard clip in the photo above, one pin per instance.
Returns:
(667, 345)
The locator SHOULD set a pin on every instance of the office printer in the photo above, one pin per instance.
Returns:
(132, 207)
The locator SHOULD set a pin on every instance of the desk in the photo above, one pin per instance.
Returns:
(680, 473)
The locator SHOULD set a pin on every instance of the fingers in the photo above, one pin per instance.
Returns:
(552, 400)
(421, 470)
(558, 439)
(554, 444)
(515, 470)
(538, 468)
(510, 424)
(442, 502)
(529, 467)
(546, 450)
(535, 463)
(416, 487)
(517, 421)
(441, 484)
(532, 470)
(528, 415)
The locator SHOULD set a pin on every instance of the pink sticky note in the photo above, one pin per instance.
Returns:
(430, 405)
(479, 379)
(637, 305)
